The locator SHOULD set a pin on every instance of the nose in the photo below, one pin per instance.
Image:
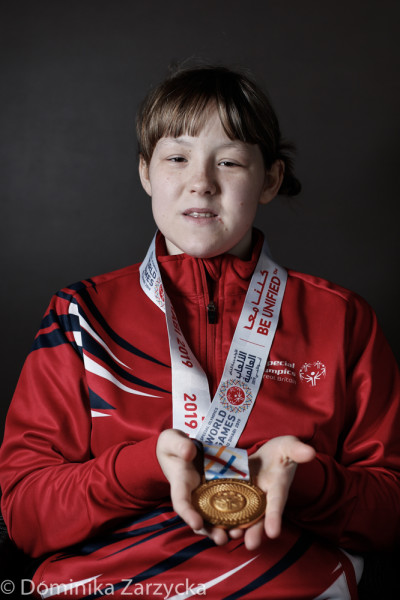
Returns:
(202, 180)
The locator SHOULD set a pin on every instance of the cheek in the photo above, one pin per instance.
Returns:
(158, 208)
(247, 191)
(247, 198)
(165, 187)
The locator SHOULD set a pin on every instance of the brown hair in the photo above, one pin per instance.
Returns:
(179, 105)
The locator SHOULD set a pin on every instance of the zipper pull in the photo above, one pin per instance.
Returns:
(212, 313)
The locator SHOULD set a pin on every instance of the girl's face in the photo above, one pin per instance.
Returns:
(205, 190)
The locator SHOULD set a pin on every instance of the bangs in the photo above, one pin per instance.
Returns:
(187, 116)
(184, 104)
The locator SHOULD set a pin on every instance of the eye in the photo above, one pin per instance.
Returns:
(176, 159)
(228, 163)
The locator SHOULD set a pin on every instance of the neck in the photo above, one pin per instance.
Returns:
(242, 249)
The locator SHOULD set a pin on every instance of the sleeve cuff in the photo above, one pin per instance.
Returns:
(139, 473)
(308, 484)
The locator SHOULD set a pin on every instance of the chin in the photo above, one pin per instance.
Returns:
(195, 248)
(204, 250)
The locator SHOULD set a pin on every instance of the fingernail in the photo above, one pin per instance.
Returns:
(200, 531)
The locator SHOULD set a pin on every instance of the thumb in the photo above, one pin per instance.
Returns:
(299, 452)
(185, 447)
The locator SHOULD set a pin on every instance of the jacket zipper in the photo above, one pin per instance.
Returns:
(211, 321)
(211, 313)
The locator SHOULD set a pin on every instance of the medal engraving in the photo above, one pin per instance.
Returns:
(229, 503)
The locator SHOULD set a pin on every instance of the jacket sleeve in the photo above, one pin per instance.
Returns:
(353, 497)
(54, 492)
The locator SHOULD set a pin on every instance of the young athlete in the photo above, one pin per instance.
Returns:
(207, 357)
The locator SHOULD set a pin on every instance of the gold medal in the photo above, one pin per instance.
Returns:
(229, 503)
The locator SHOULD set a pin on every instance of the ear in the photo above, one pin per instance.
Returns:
(273, 181)
(144, 175)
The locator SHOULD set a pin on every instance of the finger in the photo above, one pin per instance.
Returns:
(173, 442)
(253, 535)
(219, 536)
(273, 524)
(186, 449)
(276, 500)
(185, 510)
(236, 533)
(180, 445)
(192, 519)
(181, 496)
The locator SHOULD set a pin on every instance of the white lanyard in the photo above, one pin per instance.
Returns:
(221, 421)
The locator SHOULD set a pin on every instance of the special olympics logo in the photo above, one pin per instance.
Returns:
(313, 372)
(235, 395)
(159, 292)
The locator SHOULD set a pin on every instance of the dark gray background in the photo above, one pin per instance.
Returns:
(72, 74)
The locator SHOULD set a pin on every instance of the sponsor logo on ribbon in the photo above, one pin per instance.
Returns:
(235, 395)
(159, 292)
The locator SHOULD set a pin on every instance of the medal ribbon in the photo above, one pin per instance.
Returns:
(224, 462)
(221, 421)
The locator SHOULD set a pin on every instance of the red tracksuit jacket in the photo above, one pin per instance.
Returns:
(78, 463)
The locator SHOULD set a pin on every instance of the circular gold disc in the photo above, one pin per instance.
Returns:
(229, 503)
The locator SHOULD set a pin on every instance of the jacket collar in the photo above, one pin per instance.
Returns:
(184, 275)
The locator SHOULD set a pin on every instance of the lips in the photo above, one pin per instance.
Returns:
(199, 213)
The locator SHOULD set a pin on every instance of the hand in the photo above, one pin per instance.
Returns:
(272, 468)
(176, 453)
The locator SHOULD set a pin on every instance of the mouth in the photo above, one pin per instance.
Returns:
(199, 213)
